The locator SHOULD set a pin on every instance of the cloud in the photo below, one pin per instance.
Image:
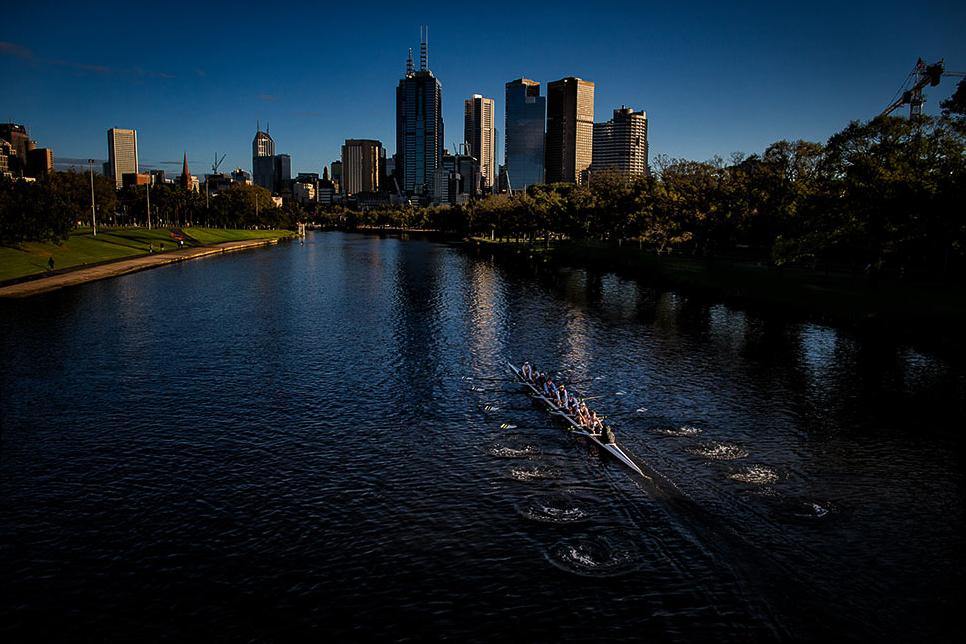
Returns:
(15, 50)
(267, 97)
(19, 51)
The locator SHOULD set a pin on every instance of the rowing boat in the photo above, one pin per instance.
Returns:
(575, 427)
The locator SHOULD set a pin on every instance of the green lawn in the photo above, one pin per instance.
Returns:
(111, 243)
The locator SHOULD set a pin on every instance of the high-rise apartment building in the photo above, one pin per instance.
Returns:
(122, 154)
(479, 135)
(419, 124)
(570, 129)
(363, 161)
(621, 143)
(526, 114)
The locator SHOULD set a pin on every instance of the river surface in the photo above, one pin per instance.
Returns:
(322, 439)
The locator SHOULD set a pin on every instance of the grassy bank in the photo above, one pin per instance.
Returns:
(902, 305)
(111, 244)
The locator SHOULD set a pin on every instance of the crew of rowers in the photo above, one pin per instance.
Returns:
(568, 402)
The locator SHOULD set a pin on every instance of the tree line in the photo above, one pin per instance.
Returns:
(883, 195)
(50, 208)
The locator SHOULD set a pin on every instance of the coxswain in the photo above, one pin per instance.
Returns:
(609, 435)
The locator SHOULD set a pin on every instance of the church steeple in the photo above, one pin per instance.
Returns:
(185, 178)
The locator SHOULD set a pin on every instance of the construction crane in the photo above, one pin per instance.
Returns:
(217, 163)
(920, 76)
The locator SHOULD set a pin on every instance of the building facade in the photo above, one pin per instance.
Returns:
(620, 144)
(458, 179)
(526, 115)
(570, 129)
(479, 135)
(337, 176)
(282, 175)
(263, 160)
(40, 163)
(419, 125)
(363, 164)
(122, 154)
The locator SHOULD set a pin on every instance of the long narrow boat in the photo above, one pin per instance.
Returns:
(575, 427)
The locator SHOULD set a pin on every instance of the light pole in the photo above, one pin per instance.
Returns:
(90, 162)
(149, 204)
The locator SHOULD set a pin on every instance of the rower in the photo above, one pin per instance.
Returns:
(596, 425)
(527, 371)
(562, 396)
(550, 388)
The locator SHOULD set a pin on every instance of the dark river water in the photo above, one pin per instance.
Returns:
(322, 439)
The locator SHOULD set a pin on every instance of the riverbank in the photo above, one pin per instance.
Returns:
(931, 310)
(30, 260)
(124, 266)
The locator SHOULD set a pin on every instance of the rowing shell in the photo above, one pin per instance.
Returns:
(577, 428)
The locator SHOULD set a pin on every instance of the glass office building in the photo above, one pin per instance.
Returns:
(525, 117)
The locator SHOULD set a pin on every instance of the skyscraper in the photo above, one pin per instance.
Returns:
(419, 124)
(621, 143)
(362, 164)
(263, 160)
(122, 154)
(570, 129)
(282, 173)
(526, 113)
(337, 176)
(479, 135)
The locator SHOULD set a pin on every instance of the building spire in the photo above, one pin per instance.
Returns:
(424, 48)
(409, 64)
(184, 166)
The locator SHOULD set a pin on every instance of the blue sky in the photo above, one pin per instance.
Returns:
(713, 78)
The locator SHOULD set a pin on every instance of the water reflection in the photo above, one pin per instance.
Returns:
(326, 431)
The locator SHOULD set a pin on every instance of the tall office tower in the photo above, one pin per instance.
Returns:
(570, 129)
(282, 173)
(526, 114)
(122, 154)
(419, 124)
(479, 135)
(263, 160)
(336, 168)
(362, 163)
(621, 143)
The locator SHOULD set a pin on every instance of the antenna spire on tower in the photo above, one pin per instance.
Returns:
(424, 48)
(409, 64)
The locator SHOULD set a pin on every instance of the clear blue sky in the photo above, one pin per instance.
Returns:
(713, 78)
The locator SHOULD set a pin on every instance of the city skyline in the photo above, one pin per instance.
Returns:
(784, 76)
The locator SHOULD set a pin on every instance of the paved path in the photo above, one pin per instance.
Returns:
(122, 267)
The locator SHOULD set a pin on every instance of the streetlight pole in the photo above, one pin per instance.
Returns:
(90, 163)
(149, 205)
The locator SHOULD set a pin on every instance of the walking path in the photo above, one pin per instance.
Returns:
(124, 266)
